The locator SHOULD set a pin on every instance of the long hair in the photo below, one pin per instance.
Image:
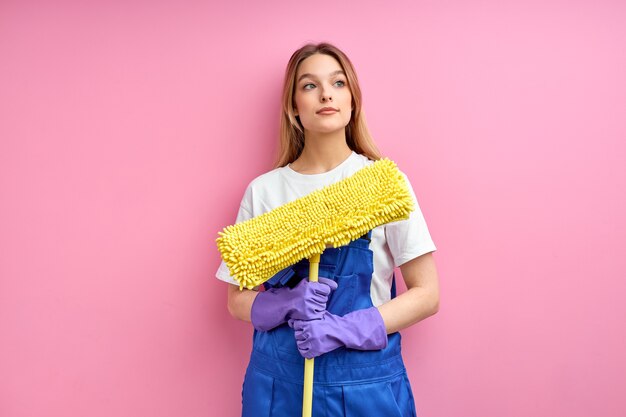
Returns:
(358, 136)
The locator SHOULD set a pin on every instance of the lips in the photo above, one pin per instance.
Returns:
(327, 110)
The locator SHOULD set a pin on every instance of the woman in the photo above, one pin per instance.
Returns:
(350, 319)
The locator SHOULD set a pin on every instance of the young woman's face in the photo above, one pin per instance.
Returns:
(320, 83)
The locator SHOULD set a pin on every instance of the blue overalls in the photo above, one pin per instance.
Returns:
(346, 382)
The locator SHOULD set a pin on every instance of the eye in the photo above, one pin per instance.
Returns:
(342, 83)
(307, 84)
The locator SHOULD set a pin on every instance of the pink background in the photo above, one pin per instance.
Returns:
(128, 133)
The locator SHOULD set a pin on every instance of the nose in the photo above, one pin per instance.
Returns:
(325, 95)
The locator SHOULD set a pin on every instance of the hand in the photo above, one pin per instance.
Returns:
(306, 301)
(360, 329)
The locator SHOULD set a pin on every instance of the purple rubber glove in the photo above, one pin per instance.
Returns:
(360, 329)
(306, 301)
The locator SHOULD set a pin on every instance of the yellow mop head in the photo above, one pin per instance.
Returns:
(258, 248)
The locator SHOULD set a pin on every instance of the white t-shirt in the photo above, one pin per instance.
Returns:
(393, 243)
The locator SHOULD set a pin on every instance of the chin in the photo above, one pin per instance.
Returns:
(328, 128)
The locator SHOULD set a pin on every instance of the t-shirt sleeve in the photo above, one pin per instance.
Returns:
(407, 239)
(244, 213)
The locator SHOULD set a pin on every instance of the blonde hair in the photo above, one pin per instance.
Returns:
(358, 136)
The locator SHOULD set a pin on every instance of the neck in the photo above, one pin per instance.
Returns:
(322, 152)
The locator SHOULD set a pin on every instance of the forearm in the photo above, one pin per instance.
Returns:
(412, 306)
(421, 299)
(240, 302)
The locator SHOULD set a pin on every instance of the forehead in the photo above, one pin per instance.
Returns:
(319, 65)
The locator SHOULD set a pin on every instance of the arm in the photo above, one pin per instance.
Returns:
(240, 302)
(421, 299)
(367, 329)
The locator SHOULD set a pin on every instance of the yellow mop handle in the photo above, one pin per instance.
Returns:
(307, 399)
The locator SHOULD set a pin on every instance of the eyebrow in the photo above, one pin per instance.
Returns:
(313, 76)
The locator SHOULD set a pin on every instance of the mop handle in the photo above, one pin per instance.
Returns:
(307, 399)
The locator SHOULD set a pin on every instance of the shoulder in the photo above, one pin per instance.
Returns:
(262, 184)
(356, 162)
(264, 192)
(362, 160)
(266, 180)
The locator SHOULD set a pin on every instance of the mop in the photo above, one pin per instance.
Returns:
(256, 249)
